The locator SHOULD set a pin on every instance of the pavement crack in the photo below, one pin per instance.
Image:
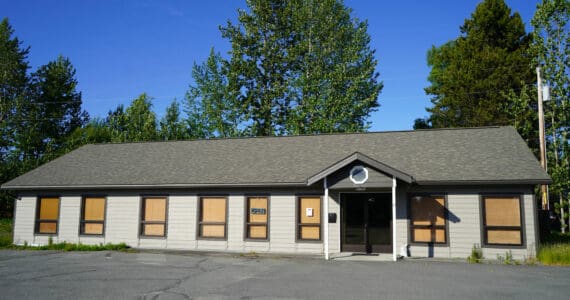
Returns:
(59, 274)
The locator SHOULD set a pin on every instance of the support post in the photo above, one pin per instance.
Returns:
(326, 218)
(394, 246)
(543, 193)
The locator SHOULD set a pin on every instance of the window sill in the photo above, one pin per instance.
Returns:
(299, 241)
(503, 246)
(45, 234)
(256, 240)
(224, 239)
(87, 235)
(152, 237)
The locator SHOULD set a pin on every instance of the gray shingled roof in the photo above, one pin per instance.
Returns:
(449, 156)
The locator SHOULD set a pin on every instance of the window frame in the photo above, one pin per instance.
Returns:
(298, 223)
(37, 220)
(82, 220)
(411, 226)
(199, 221)
(246, 214)
(142, 222)
(485, 228)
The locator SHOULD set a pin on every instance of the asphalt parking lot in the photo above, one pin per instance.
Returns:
(117, 275)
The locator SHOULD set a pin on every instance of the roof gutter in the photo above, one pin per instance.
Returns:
(150, 186)
(485, 182)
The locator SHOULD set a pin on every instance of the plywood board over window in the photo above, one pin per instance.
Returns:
(47, 217)
(428, 219)
(153, 219)
(502, 220)
(309, 218)
(93, 216)
(212, 218)
(257, 217)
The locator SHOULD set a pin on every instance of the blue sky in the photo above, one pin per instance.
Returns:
(124, 48)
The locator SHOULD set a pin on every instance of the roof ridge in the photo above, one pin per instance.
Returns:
(303, 135)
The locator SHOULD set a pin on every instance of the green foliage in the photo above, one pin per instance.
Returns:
(96, 131)
(555, 254)
(13, 84)
(52, 112)
(471, 75)
(507, 259)
(38, 111)
(140, 121)
(551, 50)
(295, 67)
(6, 242)
(171, 126)
(64, 246)
(5, 232)
(476, 255)
(212, 111)
(555, 249)
(557, 238)
(521, 111)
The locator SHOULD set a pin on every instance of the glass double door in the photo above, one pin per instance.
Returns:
(366, 220)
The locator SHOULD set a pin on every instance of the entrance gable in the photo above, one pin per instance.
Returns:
(376, 179)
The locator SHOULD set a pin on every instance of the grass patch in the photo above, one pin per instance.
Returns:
(476, 255)
(555, 254)
(555, 250)
(6, 242)
(64, 246)
(5, 232)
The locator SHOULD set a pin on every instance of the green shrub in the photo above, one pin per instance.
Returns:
(557, 238)
(5, 233)
(476, 254)
(554, 254)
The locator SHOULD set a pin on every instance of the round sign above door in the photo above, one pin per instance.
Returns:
(358, 174)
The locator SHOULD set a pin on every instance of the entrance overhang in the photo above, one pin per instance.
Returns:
(357, 156)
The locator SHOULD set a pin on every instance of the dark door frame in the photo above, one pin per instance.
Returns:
(367, 245)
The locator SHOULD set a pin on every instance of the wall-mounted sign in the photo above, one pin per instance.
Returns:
(309, 212)
(258, 211)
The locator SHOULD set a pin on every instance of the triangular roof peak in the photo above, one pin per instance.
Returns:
(357, 156)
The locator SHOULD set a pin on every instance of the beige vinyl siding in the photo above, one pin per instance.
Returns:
(401, 216)
(182, 222)
(235, 223)
(334, 228)
(24, 220)
(464, 225)
(123, 219)
(69, 214)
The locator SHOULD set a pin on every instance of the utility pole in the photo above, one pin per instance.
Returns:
(545, 204)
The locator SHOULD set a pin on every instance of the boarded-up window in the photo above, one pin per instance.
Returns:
(257, 218)
(212, 222)
(502, 220)
(93, 216)
(153, 219)
(47, 215)
(427, 219)
(309, 218)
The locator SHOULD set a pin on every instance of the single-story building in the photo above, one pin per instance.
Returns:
(436, 192)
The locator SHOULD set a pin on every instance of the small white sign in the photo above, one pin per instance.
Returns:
(309, 212)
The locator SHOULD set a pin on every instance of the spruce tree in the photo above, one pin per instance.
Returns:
(471, 76)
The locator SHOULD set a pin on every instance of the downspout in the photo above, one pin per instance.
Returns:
(394, 256)
(326, 217)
